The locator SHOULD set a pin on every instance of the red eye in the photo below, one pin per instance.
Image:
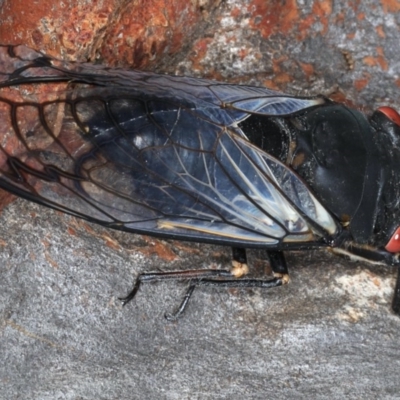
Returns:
(390, 113)
(393, 245)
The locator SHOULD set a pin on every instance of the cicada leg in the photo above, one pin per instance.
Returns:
(173, 275)
(213, 277)
(239, 262)
(396, 297)
(278, 265)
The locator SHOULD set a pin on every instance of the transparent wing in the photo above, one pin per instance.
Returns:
(149, 153)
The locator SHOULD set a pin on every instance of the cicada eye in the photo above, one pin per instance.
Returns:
(393, 245)
(390, 113)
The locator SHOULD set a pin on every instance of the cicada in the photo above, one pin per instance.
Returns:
(198, 160)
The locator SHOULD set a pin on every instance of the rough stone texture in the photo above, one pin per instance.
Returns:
(329, 334)
(68, 28)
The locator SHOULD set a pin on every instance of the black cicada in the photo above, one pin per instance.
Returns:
(198, 160)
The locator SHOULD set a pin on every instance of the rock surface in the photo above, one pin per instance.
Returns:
(329, 334)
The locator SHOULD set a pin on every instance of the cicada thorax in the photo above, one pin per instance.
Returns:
(349, 162)
(337, 155)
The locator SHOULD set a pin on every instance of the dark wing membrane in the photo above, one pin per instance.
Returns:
(149, 153)
(19, 64)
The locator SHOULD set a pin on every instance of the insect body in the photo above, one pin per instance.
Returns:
(198, 160)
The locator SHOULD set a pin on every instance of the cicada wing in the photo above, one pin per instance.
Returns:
(219, 102)
(148, 156)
